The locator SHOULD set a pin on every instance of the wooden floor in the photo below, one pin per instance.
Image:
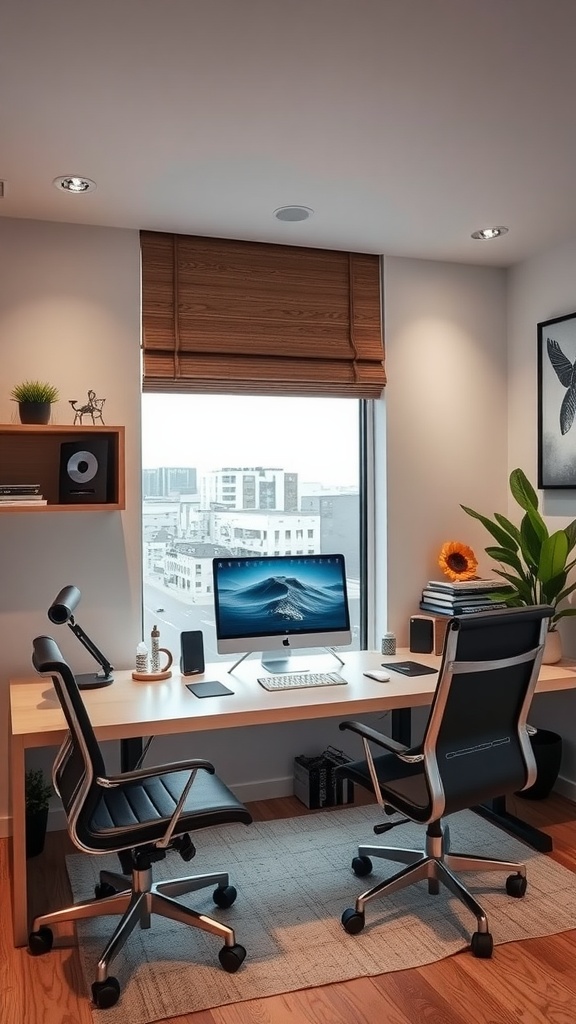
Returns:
(532, 982)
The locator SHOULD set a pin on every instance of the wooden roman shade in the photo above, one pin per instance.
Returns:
(239, 317)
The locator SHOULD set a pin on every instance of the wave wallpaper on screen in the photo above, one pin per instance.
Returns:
(281, 595)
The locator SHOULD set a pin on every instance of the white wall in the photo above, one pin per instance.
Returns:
(540, 289)
(446, 417)
(69, 312)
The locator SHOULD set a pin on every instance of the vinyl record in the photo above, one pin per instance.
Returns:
(82, 467)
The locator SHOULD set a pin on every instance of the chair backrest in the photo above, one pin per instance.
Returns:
(476, 745)
(79, 761)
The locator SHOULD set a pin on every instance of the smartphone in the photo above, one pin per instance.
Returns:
(191, 652)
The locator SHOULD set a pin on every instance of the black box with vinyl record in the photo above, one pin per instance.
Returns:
(85, 471)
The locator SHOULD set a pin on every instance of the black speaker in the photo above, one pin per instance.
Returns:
(427, 633)
(85, 468)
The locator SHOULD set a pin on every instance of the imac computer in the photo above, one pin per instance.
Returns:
(278, 604)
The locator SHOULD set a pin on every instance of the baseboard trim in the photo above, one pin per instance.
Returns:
(566, 787)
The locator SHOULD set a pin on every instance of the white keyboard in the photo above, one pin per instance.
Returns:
(300, 680)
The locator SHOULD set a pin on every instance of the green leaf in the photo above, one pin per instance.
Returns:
(522, 490)
(538, 524)
(496, 531)
(566, 593)
(524, 589)
(530, 544)
(507, 557)
(553, 588)
(564, 613)
(508, 526)
(553, 556)
(570, 532)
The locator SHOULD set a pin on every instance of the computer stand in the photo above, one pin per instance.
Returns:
(279, 661)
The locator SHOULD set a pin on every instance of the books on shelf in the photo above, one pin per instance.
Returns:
(439, 597)
(465, 586)
(26, 502)
(460, 607)
(17, 490)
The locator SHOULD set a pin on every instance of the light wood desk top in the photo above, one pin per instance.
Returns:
(129, 709)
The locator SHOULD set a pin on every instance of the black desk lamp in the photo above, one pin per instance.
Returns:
(60, 611)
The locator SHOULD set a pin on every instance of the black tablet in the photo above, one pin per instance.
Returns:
(208, 688)
(408, 668)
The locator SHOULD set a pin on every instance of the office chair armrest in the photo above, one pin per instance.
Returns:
(163, 769)
(400, 749)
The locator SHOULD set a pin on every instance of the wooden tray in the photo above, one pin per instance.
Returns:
(150, 677)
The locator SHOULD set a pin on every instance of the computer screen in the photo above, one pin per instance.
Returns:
(280, 603)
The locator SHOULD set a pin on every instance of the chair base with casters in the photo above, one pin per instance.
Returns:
(438, 864)
(137, 902)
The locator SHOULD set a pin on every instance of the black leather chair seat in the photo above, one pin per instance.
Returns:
(144, 809)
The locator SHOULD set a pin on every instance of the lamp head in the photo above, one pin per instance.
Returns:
(62, 607)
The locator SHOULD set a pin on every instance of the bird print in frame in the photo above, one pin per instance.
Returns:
(557, 402)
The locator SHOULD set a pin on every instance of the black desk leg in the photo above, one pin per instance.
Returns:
(130, 753)
(401, 726)
(495, 811)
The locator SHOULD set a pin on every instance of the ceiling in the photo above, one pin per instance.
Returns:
(404, 124)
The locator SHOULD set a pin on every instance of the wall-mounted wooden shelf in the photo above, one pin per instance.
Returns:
(32, 454)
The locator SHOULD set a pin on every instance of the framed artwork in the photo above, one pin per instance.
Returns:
(557, 402)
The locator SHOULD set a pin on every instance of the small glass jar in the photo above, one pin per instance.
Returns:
(388, 647)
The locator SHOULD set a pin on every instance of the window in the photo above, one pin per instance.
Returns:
(220, 438)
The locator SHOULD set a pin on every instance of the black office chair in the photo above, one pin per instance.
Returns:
(475, 747)
(138, 815)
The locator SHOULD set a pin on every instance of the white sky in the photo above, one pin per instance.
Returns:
(314, 437)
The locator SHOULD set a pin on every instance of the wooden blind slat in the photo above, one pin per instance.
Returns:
(248, 317)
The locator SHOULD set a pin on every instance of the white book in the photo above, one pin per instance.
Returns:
(466, 586)
(23, 502)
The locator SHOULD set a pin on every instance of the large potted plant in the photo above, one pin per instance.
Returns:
(534, 562)
(35, 400)
(37, 795)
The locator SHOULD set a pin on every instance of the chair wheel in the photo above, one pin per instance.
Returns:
(481, 945)
(106, 993)
(103, 889)
(41, 941)
(361, 866)
(224, 897)
(353, 921)
(516, 885)
(232, 957)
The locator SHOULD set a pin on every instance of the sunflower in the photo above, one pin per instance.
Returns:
(457, 561)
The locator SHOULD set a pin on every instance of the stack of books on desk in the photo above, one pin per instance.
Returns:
(462, 597)
(21, 494)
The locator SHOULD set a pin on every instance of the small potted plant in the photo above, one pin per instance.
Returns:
(37, 793)
(35, 398)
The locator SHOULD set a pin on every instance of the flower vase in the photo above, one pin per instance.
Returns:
(552, 647)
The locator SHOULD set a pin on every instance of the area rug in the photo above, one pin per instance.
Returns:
(294, 880)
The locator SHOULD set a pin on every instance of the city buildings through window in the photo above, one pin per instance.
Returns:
(238, 475)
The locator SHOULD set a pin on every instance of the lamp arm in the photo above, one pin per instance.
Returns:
(90, 646)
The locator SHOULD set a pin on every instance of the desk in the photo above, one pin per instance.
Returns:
(129, 709)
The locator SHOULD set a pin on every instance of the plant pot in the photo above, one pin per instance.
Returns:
(34, 412)
(547, 747)
(552, 647)
(36, 823)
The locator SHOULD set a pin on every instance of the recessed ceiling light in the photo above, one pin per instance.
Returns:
(293, 213)
(490, 232)
(75, 184)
